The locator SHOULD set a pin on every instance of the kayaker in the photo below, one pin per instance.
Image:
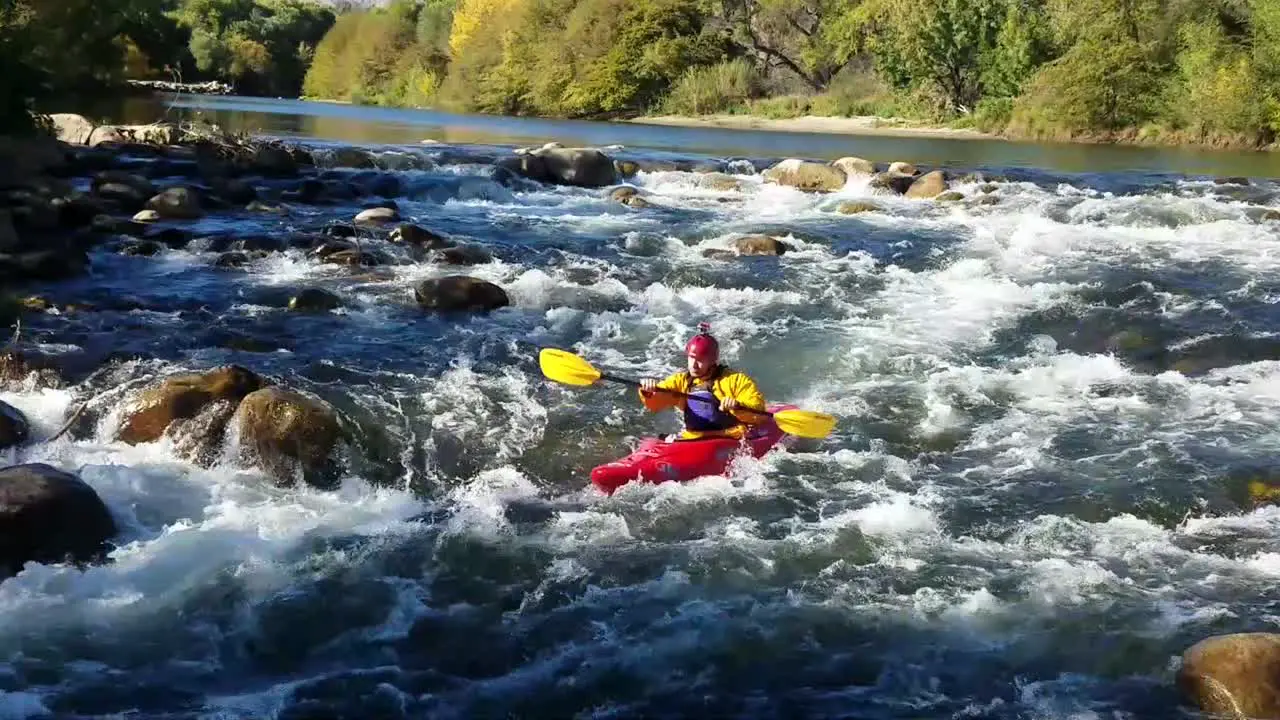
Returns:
(721, 395)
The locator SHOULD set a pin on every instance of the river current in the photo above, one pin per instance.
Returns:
(1050, 407)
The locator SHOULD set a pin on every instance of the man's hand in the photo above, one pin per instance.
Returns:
(728, 404)
(648, 385)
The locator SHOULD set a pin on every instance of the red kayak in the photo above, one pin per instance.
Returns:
(657, 460)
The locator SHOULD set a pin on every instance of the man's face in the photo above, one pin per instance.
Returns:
(700, 367)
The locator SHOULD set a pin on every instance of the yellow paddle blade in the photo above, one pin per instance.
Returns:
(805, 423)
(565, 367)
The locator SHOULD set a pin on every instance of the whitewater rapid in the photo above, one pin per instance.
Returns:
(1027, 509)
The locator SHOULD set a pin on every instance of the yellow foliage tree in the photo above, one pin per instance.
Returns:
(470, 15)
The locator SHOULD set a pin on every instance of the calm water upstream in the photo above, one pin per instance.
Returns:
(1049, 409)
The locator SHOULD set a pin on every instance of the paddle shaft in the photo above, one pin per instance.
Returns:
(677, 393)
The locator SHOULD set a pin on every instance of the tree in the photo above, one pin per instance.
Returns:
(939, 45)
(793, 34)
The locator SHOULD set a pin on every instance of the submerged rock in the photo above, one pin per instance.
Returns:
(856, 207)
(419, 237)
(460, 293)
(314, 300)
(805, 175)
(760, 245)
(48, 515)
(289, 435)
(581, 167)
(178, 203)
(182, 397)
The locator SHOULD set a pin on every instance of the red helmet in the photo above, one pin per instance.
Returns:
(703, 345)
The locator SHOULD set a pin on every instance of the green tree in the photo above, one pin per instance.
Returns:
(799, 36)
(938, 46)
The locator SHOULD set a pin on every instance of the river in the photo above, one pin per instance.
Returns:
(1035, 499)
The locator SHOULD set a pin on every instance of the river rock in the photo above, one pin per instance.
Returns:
(462, 255)
(894, 182)
(182, 397)
(178, 203)
(14, 429)
(314, 300)
(419, 237)
(720, 182)
(626, 168)
(289, 435)
(760, 245)
(71, 128)
(855, 207)
(273, 160)
(950, 196)
(146, 216)
(49, 516)
(460, 293)
(352, 258)
(806, 176)
(332, 247)
(350, 157)
(902, 168)
(1233, 676)
(580, 167)
(141, 248)
(854, 167)
(929, 185)
(622, 193)
(377, 216)
(231, 260)
(53, 264)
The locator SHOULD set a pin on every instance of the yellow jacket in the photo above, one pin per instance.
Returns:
(726, 383)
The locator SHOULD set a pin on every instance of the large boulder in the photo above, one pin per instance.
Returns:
(72, 129)
(419, 236)
(760, 245)
(462, 255)
(185, 398)
(720, 182)
(855, 207)
(581, 167)
(289, 435)
(314, 300)
(47, 515)
(377, 216)
(929, 185)
(178, 203)
(1233, 676)
(806, 176)
(853, 167)
(460, 293)
(894, 182)
(13, 426)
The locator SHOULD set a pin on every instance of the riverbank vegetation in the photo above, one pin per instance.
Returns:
(1202, 71)
(1177, 71)
(53, 48)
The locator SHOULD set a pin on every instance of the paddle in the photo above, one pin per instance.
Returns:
(565, 367)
